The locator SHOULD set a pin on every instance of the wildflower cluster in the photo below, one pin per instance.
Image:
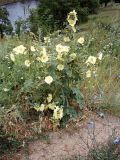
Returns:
(47, 76)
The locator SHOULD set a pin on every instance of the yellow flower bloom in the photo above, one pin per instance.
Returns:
(60, 67)
(72, 18)
(44, 58)
(74, 29)
(91, 59)
(12, 57)
(49, 98)
(39, 108)
(60, 48)
(44, 50)
(81, 40)
(73, 56)
(5, 89)
(47, 39)
(66, 49)
(58, 113)
(51, 106)
(27, 63)
(38, 59)
(19, 50)
(48, 79)
(25, 53)
(32, 48)
(66, 39)
(88, 74)
(42, 107)
(59, 57)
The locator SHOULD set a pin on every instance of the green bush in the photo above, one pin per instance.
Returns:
(45, 77)
(31, 77)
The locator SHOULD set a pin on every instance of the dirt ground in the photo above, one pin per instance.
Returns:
(74, 140)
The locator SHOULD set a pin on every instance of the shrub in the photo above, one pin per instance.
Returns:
(45, 78)
(41, 79)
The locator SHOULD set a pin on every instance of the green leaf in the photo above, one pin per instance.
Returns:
(28, 83)
(71, 112)
(78, 96)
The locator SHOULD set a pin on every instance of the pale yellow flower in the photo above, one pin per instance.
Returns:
(12, 57)
(66, 39)
(38, 59)
(32, 48)
(66, 49)
(25, 53)
(19, 49)
(81, 40)
(73, 56)
(43, 51)
(59, 57)
(60, 48)
(72, 18)
(42, 107)
(74, 29)
(49, 98)
(88, 74)
(44, 58)
(91, 59)
(5, 89)
(39, 108)
(58, 113)
(48, 79)
(47, 39)
(27, 63)
(51, 106)
(100, 55)
(60, 67)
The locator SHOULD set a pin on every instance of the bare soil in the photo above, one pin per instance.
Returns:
(75, 139)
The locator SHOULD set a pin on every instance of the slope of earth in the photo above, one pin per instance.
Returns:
(74, 140)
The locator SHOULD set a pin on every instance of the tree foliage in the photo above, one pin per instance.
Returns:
(105, 2)
(5, 24)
